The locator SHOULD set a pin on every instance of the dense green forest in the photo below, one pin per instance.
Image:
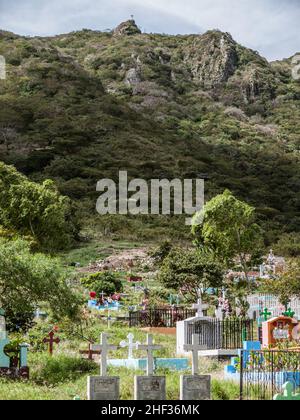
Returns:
(79, 107)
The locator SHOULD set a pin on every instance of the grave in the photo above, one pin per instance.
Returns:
(114, 306)
(288, 393)
(147, 388)
(103, 387)
(141, 364)
(260, 301)
(12, 367)
(51, 340)
(218, 338)
(89, 352)
(271, 368)
(278, 329)
(195, 387)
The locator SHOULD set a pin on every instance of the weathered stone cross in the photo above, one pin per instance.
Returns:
(194, 348)
(200, 307)
(149, 347)
(130, 344)
(104, 347)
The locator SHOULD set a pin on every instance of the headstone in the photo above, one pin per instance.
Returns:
(195, 387)
(103, 388)
(147, 388)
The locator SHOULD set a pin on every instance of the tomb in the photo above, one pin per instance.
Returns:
(14, 366)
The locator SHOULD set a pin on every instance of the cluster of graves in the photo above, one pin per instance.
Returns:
(148, 387)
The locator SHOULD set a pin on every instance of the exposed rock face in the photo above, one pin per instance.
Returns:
(212, 58)
(127, 28)
(133, 77)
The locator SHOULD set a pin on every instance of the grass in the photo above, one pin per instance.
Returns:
(64, 376)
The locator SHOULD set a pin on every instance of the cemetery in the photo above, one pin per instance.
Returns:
(166, 325)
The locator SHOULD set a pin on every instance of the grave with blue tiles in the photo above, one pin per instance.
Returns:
(175, 364)
(12, 367)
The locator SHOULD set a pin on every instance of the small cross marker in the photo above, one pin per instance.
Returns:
(104, 347)
(51, 340)
(200, 307)
(149, 347)
(90, 352)
(130, 344)
(265, 314)
(289, 313)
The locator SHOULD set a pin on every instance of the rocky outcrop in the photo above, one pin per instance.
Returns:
(212, 58)
(127, 28)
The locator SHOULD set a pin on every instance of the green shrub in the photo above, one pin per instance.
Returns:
(106, 282)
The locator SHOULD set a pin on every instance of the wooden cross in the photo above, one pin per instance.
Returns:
(194, 348)
(289, 313)
(90, 352)
(130, 344)
(149, 347)
(51, 340)
(265, 314)
(200, 307)
(104, 347)
(288, 394)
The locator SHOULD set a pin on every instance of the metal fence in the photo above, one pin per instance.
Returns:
(263, 373)
(165, 317)
(258, 302)
(227, 334)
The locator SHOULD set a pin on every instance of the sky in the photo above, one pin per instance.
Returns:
(268, 26)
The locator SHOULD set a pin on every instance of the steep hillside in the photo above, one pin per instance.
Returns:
(81, 106)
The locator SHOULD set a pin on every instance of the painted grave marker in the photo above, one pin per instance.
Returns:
(51, 340)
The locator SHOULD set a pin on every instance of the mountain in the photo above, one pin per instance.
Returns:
(79, 107)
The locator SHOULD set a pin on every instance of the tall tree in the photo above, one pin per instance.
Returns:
(228, 230)
(27, 280)
(37, 210)
(191, 271)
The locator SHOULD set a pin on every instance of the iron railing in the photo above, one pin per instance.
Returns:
(154, 317)
(215, 334)
(264, 372)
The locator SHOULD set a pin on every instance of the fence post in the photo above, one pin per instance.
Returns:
(242, 376)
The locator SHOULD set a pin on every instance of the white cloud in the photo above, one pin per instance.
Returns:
(269, 26)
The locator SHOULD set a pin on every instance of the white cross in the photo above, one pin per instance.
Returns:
(194, 348)
(130, 344)
(104, 347)
(149, 347)
(200, 307)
